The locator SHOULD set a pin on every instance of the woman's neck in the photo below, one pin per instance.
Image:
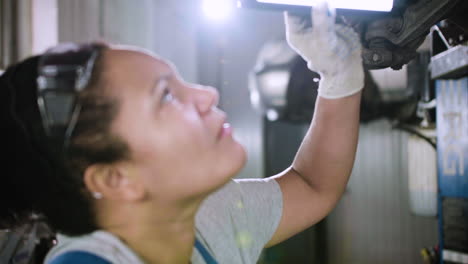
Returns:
(158, 234)
(164, 243)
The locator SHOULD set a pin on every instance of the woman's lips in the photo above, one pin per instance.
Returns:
(226, 130)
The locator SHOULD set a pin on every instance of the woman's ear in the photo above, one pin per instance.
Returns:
(114, 182)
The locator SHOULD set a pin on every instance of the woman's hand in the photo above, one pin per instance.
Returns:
(333, 50)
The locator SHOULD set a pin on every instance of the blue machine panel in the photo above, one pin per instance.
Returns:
(452, 160)
(452, 137)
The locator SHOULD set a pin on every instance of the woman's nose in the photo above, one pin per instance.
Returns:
(205, 98)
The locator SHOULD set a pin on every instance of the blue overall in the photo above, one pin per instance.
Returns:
(79, 257)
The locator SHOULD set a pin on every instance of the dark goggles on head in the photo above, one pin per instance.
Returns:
(63, 72)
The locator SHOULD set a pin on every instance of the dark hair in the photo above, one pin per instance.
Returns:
(41, 179)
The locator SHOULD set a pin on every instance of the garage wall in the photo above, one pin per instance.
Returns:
(27, 27)
(161, 26)
(373, 223)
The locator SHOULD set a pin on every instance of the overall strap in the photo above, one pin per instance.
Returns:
(78, 257)
(204, 252)
(86, 257)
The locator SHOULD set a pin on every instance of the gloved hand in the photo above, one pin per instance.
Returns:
(333, 50)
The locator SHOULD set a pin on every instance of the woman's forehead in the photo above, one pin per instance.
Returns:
(125, 66)
(126, 57)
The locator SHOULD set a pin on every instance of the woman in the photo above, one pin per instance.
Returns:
(133, 165)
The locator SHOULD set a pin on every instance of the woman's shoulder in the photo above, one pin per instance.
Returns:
(97, 245)
(237, 220)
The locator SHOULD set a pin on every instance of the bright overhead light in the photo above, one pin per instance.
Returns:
(272, 115)
(372, 5)
(218, 9)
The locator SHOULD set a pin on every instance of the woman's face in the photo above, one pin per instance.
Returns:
(180, 143)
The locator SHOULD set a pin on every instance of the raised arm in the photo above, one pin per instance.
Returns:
(316, 180)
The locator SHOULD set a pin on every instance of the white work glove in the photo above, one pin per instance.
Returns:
(332, 50)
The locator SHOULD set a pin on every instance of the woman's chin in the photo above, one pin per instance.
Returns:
(240, 160)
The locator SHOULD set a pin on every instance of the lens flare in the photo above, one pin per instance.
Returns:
(218, 9)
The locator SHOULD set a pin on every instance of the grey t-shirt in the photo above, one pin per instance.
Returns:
(234, 224)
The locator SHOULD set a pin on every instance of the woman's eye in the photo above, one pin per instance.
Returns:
(167, 96)
(166, 91)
